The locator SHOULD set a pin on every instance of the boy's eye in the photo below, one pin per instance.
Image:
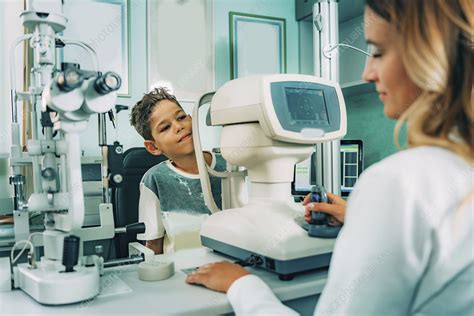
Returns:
(164, 128)
(181, 117)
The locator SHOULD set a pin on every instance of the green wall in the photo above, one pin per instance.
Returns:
(366, 121)
(274, 8)
(365, 116)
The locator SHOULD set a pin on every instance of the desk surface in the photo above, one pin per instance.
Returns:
(123, 293)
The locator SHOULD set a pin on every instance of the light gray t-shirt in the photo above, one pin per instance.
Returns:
(172, 201)
(179, 191)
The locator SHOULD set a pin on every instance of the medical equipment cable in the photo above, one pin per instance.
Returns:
(26, 242)
(92, 53)
(329, 49)
(12, 58)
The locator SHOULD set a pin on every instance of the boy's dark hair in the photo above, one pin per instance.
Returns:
(140, 117)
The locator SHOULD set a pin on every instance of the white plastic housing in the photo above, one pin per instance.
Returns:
(266, 160)
(248, 99)
(61, 101)
(271, 228)
(47, 284)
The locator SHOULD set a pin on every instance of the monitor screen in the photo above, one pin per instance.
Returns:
(305, 175)
(307, 105)
(352, 165)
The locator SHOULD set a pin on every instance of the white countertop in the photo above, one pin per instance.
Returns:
(123, 293)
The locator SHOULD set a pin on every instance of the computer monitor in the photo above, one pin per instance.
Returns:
(352, 164)
(304, 176)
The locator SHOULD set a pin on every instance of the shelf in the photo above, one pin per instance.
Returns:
(357, 88)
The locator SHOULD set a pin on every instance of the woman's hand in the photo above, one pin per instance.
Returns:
(217, 276)
(337, 208)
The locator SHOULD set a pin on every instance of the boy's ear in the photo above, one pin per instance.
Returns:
(151, 147)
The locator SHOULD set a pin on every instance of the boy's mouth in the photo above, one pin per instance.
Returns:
(185, 137)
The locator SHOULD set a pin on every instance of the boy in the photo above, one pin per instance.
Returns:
(171, 200)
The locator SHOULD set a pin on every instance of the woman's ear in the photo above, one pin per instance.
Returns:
(151, 147)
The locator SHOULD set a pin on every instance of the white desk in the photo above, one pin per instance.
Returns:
(123, 293)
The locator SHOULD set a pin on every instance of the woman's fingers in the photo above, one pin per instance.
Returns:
(336, 199)
(336, 210)
(217, 276)
(332, 209)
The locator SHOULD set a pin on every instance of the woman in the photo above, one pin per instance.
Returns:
(406, 246)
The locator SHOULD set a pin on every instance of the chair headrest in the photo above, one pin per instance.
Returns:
(139, 157)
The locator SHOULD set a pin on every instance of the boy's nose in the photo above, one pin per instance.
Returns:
(178, 127)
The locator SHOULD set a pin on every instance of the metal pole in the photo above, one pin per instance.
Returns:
(325, 33)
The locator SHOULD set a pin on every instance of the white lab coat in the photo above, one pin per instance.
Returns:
(406, 246)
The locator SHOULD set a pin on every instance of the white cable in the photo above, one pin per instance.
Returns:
(329, 49)
(12, 58)
(92, 53)
(27, 242)
(35, 233)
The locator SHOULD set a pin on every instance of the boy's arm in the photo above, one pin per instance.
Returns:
(156, 245)
(149, 212)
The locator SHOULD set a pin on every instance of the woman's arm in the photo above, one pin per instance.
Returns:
(149, 212)
(247, 293)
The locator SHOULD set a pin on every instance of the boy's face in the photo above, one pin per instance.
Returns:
(171, 130)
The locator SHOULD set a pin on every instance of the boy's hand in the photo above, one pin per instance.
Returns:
(156, 245)
(337, 208)
(217, 276)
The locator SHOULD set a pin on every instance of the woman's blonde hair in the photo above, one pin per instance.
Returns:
(437, 49)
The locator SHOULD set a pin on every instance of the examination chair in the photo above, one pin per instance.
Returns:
(136, 161)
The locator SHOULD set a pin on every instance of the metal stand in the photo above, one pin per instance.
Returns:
(325, 34)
